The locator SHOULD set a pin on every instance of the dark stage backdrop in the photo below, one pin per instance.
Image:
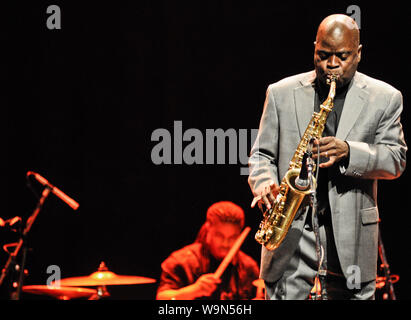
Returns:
(80, 105)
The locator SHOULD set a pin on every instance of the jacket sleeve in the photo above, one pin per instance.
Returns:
(264, 153)
(386, 158)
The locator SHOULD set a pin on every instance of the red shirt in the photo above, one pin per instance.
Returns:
(183, 267)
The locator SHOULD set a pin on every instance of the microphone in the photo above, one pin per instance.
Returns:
(73, 204)
(303, 180)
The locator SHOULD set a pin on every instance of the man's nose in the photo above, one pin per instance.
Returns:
(332, 62)
(227, 242)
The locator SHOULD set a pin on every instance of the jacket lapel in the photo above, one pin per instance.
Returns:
(354, 102)
(353, 105)
(304, 102)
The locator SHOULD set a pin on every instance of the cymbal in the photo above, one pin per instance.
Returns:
(62, 293)
(104, 277)
(259, 283)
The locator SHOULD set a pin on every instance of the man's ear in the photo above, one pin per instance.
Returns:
(359, 52)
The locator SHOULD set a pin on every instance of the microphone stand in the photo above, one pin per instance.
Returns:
(314, 217)
(22, 244)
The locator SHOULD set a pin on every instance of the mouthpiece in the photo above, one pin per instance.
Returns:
(332, 77)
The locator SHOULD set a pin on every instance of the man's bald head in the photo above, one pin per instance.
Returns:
(336, 26)
(337, 48)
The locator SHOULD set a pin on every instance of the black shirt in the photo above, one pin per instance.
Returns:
(325, 174)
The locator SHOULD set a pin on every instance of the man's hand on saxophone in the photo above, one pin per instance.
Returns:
(332, 148)
(267, 196)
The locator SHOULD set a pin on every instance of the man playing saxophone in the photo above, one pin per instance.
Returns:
(362, 142)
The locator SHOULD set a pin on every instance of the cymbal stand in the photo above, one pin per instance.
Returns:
(101, 293)
(389, 293)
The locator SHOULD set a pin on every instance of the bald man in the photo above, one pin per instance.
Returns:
(362, 142)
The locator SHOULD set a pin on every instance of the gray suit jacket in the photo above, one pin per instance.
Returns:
(370, 123)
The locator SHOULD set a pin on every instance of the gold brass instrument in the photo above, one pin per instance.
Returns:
(277, 220)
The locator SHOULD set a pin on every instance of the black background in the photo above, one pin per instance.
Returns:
(80, 105)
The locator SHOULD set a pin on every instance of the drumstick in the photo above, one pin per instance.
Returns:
(230, 255)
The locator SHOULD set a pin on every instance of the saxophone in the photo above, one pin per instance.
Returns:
(277, 220)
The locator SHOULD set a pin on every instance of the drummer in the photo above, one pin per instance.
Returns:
(187, 274)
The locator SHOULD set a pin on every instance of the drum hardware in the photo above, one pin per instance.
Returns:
(71, 288)
(60, 293)
(10, 247)
(103, 278)
(21, 245)
(389, 279)
(381, 281)
(101, 292)
(259, 283)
